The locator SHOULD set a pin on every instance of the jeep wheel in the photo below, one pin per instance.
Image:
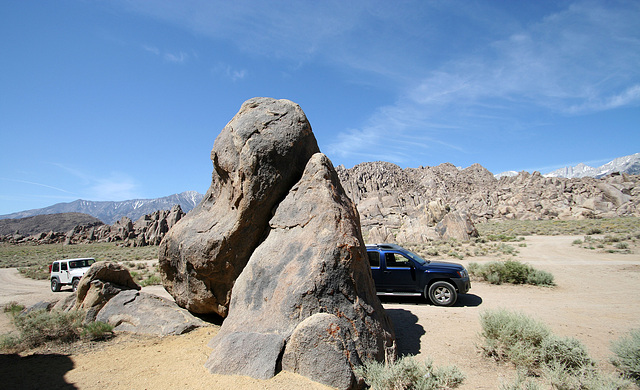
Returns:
(442, 294)
(74, 285)
(55, 285)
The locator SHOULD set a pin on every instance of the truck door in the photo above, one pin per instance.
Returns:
(400, 273)
(376, 270)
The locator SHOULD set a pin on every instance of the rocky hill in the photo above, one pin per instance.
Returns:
(74, 228)
(110, 212)
(44, 223)
(406, 205)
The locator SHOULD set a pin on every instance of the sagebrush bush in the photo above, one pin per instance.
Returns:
(534, 349)
(627, 355)
(40, 326)
(407, 373)
(97, 330)
(510, 271)
(514, 337)
(566, 353)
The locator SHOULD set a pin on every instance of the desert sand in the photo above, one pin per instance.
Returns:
(596, 300)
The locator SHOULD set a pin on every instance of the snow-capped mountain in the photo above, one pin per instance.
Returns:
(109, 212)
(627, 164)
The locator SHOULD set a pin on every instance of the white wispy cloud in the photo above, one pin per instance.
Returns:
(583, 59)
(229, 72)
(101, 186)
(179, 57)
(37, 184)
(116, 186)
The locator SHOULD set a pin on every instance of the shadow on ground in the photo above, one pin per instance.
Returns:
(35, 371)
(407, 329)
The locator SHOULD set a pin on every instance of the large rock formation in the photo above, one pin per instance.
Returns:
(257, 158)
(306, 301)
(407, 205)
(276, 247)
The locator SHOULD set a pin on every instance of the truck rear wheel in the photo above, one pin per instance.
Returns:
(75, 283)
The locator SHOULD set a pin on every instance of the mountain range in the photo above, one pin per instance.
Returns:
(111, 211)
(627, 164)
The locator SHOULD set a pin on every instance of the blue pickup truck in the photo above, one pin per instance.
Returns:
(398, 271)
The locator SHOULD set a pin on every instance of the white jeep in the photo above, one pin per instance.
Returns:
(68, 272)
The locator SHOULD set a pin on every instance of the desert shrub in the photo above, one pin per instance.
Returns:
(627, 355)
(515, 272)
(40, 326)
(538, 277)
(587, 378)
(521, 382)
(152, 280)
(35, 272)
(534, 349)
(97, 330)
(566, 353)
(13, 308)
(513, 337)
(408, 373)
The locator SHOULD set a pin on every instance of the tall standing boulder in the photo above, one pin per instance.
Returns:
(259, 155)
(305, 301)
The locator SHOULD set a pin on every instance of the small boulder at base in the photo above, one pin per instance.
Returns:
(138, 312)
(259, 155)
(103, 281)
(319, 349)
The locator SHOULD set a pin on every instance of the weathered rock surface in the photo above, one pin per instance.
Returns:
(138, 312)
(405, 206)
(257, 158)
(312, 261)
(102, 282)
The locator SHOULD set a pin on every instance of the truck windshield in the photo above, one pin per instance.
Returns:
(416, 258)
(81, 263)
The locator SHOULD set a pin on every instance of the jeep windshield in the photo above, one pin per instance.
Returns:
(81, 263)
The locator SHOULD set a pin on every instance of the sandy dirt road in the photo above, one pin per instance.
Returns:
(597, 299)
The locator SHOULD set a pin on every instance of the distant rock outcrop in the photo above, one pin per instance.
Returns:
(407, 205)
(29, 226)
(148, 230)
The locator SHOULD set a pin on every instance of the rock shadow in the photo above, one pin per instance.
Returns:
(408, 331)
(40, 371)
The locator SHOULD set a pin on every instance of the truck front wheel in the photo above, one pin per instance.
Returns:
(55, 285)
(442, 294)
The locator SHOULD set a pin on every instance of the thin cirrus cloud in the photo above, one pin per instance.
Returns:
(581, 60)
(176, 58)
(113, 186)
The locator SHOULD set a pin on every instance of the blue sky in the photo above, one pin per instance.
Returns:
(115, 100)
